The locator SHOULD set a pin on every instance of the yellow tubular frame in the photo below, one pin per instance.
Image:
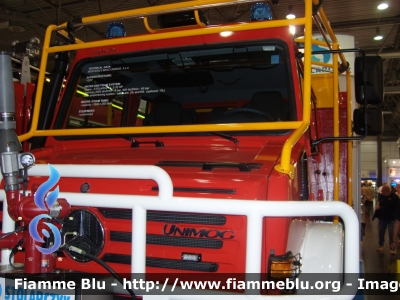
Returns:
(349, 143)
(334, 45)
(139, 13)
(299, 127)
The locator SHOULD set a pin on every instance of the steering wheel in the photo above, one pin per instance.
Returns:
(249, 110)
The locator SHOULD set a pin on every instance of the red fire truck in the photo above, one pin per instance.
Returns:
(191, 148)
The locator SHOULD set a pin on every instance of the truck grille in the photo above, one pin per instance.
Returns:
(126, 214)
(152, 239)
(216, 240)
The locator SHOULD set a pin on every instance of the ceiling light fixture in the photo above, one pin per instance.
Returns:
(382, 6)
(290, 14)
(378, 35)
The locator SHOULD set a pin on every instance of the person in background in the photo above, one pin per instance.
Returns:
(397, 215)
(380, 188)
(397, 188)
(393, 189)
(396, 229)
(368, 194)
(386, 207)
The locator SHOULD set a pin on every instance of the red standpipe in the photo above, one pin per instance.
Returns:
(24, 209)
(33, 258)
(320, 195)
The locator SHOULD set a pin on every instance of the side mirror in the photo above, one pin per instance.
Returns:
(368, 80)
(374, 121)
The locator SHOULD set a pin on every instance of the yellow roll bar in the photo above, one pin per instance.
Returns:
(298, 127)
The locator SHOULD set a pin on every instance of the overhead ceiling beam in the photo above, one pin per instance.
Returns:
(42, 22)
(384, 54)
(52, 5)
(365, 23)
(386, 39)
(22, 19)
(391, 90)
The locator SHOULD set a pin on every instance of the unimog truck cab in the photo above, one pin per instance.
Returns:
(195, 149)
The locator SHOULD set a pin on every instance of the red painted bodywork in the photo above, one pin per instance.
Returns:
(264, 184)
(248, 185)
(321, 167)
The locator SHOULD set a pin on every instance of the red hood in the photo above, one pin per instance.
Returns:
(216, 166)
(116, 151)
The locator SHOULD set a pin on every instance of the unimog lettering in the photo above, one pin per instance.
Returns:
(202, 233)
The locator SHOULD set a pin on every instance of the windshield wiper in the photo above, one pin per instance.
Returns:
(226, 136)
(135, 143)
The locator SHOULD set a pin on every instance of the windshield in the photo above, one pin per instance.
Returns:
(220, 84)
